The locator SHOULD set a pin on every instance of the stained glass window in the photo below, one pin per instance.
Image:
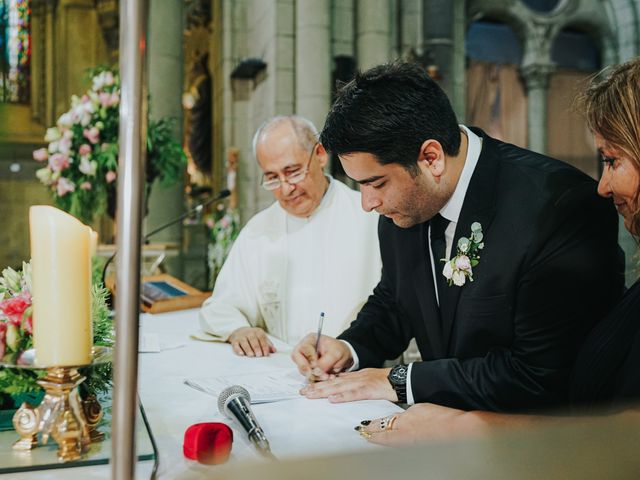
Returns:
(15, 51)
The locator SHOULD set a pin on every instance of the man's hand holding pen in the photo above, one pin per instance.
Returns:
(322, 359)
(332, 356)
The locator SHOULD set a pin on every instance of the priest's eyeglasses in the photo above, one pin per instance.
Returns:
(292, 178)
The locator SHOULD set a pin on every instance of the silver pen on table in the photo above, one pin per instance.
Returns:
(320, 322)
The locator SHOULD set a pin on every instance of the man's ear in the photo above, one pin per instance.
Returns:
(323, 156)
(432, 158)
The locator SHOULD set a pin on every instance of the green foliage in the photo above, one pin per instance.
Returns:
(14, 382)
(102, 323)
(167, 160)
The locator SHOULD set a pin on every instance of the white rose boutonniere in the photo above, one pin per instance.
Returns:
(460, 267)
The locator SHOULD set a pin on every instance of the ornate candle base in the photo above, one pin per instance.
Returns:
(62, 415)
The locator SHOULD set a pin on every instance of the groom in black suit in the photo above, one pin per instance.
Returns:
(496, 259)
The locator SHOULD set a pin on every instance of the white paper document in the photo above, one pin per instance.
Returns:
(268, 386)
(151, 343)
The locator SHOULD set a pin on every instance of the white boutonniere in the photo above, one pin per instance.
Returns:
(460, 267)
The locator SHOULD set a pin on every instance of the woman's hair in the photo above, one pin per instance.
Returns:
(611, 105)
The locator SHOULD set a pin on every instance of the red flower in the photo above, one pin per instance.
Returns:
(14, 307)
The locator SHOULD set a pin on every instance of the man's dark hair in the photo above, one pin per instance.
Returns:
(389, 111)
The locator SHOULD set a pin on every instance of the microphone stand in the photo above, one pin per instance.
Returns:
(197, 209)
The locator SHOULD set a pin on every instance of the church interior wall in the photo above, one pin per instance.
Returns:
(301, 42)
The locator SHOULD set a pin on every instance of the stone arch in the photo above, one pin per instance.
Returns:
(537, 31)
(592, 19)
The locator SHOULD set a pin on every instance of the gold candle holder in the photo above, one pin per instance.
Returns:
(62, 414)
(59, 415)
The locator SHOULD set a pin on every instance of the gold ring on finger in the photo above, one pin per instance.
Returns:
(386, 423)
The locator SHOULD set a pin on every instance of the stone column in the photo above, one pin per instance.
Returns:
(373, 45)
(313, 62)
(342, 34)
(536, 79)
(458, 85)
(443, 25)
(164, 75)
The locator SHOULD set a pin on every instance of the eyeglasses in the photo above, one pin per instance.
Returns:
(292, 178)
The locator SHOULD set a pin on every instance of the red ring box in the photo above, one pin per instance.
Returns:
(208, 442)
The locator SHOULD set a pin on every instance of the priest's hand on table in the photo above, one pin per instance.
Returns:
(332, 356)
(251, 342)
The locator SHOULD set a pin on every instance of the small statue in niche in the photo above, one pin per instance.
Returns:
(198, 101)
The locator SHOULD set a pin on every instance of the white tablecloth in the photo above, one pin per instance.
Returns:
(295, 428)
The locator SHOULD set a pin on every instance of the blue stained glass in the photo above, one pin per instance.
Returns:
(15, 51)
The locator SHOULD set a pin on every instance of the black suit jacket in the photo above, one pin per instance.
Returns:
(550, 268)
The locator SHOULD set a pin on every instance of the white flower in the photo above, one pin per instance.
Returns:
(11, 279)
(52, 134)
(81, 113)
(108, 78)
(64, 145)
(26, 275)
(464, 244)
(476, 227)
(103, 79)
(87, 167)
(458, 278)
(98, 82)
(447, 270)
(44, 175)
(65, 120)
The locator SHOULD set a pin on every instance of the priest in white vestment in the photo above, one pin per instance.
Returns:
(314, 250)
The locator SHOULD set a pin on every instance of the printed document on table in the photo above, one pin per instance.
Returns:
(267, 386)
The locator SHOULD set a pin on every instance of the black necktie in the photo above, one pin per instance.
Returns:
(439, 248)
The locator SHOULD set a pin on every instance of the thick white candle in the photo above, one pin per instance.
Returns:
(61, 282)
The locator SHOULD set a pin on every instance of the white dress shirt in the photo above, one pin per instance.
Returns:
(451, 211)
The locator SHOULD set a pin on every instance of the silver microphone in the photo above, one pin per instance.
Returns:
(235, 403)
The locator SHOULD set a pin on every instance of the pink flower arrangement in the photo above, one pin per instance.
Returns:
(83, 148)
(81, 159)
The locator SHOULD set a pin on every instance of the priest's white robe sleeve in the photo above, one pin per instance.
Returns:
(234, 302)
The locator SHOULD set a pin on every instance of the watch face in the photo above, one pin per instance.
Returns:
(398, 374)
